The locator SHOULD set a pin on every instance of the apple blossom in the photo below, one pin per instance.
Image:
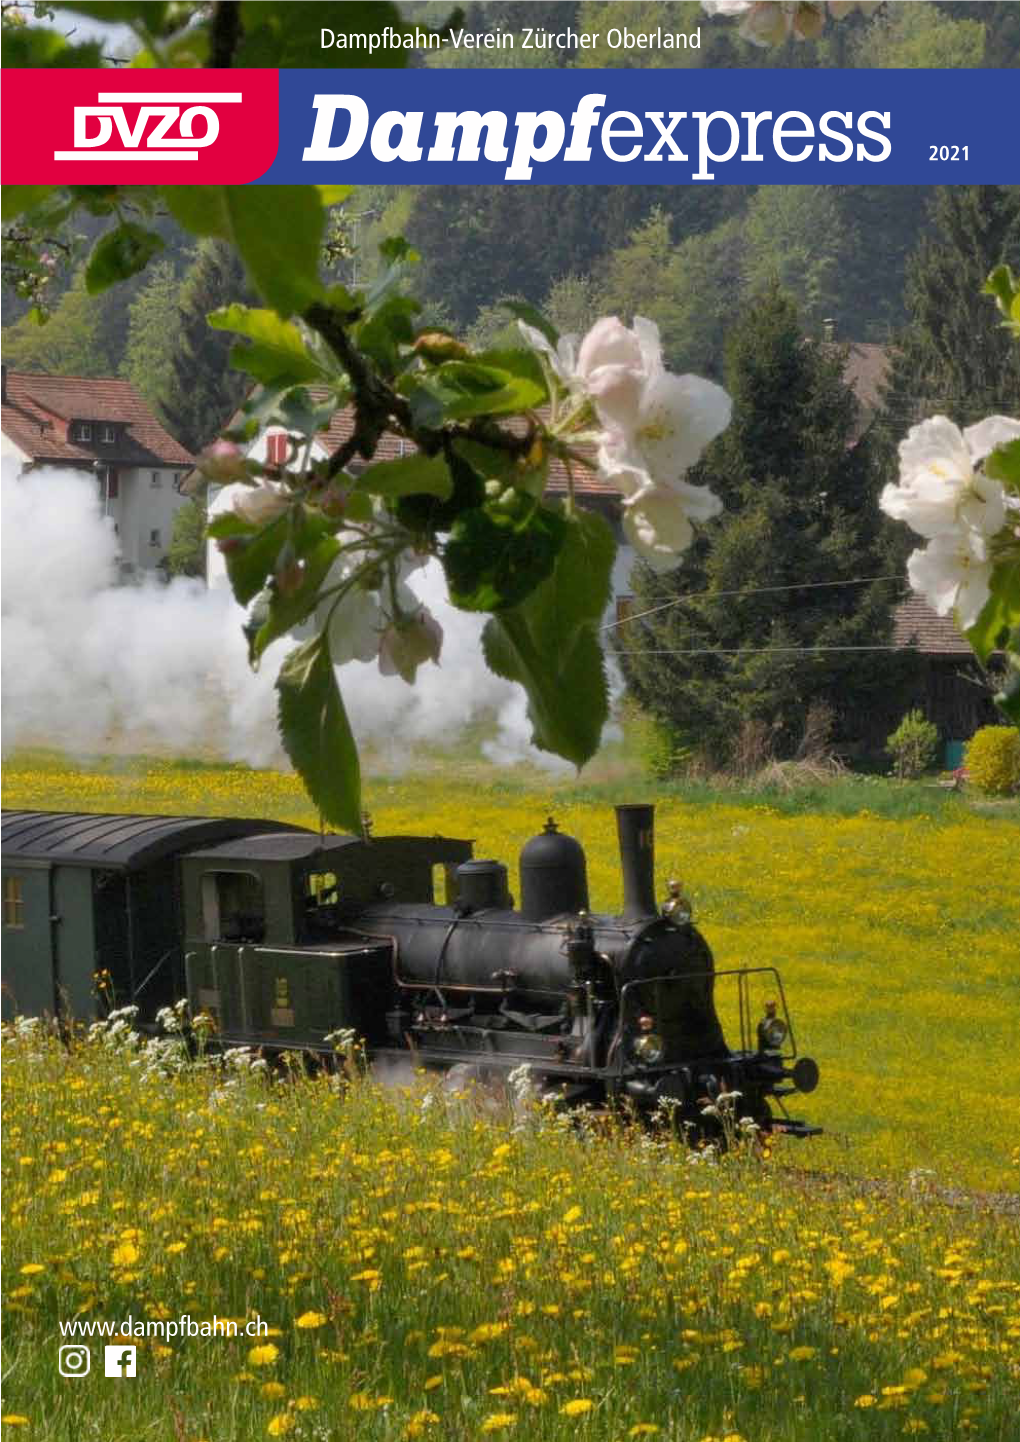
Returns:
(940, 488)
(407, 642)
(259, 504)
(953, 570)
(770, 22)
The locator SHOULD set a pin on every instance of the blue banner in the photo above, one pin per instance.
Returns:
(632, 127)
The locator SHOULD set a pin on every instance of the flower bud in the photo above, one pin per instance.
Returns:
(409, 641)
(223, 462)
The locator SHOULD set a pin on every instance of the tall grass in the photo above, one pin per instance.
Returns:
(433, 1267)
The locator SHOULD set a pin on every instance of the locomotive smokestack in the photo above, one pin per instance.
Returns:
(635, 826)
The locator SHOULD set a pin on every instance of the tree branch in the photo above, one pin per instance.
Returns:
(377, 404)
(224, 34)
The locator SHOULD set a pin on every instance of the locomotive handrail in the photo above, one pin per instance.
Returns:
(741, 972)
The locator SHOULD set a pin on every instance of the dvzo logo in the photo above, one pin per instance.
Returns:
(94, 126)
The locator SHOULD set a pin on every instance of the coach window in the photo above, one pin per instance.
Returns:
(14, 902)
(156, 480)
(233, 906)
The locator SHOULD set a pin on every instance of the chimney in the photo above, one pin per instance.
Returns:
(635, 827)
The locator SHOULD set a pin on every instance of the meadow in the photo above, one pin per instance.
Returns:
(895, 926)
(446, 1267)
(428, 1267)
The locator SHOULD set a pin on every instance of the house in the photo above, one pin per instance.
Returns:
(950, 688)
(101, 428)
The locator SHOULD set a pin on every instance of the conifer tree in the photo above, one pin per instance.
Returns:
(800, 489)
(953, 358)
(204, 390)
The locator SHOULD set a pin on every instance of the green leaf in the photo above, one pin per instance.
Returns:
(428, 514)
(17, 199)
(388, 328)
(278, 230)
(550, 643)
(278, 355)
(199, 208)
(494, 561)
(458, 390)
(28, 47)
(254, 552)
(533, 317)
(287, 611)
(417, 474)
(1003, 464)
(317, 735)
(1001, 612)
(118, 254)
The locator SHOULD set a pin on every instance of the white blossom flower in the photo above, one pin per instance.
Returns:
(259, 504)
(953, 570)
(770, 22)
(655, 426)
(357, 621)
(665, 428)
(940, 486)
(407, 642)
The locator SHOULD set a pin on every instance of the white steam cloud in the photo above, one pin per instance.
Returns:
(89, 665)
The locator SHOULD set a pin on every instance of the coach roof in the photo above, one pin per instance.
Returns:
(119, 843)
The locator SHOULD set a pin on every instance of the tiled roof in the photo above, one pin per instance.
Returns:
(916, 624)
(865, 373)
(37, 410)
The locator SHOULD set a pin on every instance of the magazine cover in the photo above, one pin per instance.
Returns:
(511, 721)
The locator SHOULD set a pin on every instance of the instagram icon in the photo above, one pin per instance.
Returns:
(74, 1360)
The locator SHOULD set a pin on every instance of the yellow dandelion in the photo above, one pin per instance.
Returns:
(31, 1269)
(577, 1407)
(125, 1254)
(308, 1320)
(497, 1420)
(273, 1390)
(573, 1215)
(305, 1404)
(281, 1424)
(867, 1399)
(263, 1356)
(488, 1332)
(643, 1429)
(802, 1354)
(14, 1419)
(419, 1421)
(915, 1377)
(431, 1383)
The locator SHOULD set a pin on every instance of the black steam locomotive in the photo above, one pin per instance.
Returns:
(284, 936)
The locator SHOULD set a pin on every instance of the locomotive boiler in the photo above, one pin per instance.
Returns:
(283, 936)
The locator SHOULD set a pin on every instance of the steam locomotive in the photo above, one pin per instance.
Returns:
(284, 936)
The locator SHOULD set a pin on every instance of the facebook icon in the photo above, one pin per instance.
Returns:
(120, 1361)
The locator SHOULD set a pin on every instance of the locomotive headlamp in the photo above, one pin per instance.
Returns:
(648, 1046)
(771, 1029)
